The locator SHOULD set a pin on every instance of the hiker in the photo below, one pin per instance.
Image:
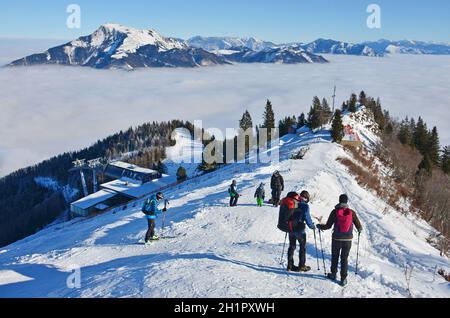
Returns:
(260, 195)
(234, 195)
(150, 209)
(277, 186)
(343, 219)
(300, 217)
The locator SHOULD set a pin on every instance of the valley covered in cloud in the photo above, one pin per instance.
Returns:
(52, 109)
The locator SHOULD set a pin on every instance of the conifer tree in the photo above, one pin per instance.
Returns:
(302, 120)
(246, 121)
(363, 98)
(445, 160)
(434, 147)
(352, 104)
(269, 120)
(315, 113)
(421, 136)
(327, 114)
(337, 127)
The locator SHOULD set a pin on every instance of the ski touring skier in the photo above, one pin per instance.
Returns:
(294, 217)
(277, 186)
(234, 195)
(260, 195)
(151, 211)
(342, 218)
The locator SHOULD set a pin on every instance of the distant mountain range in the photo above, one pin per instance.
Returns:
(325, 46)
(121, 47)
(117, 46)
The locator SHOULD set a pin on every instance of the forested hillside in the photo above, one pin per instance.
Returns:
(27, 205)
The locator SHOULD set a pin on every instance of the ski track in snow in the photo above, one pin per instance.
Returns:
(218, 251)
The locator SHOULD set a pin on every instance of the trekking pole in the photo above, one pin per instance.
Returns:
(323, 256)
(284, 246)
(317, 251)
(166, 202)
(357, 254)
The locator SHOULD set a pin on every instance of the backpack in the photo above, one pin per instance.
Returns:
(344, 223)
(287, 209)
(146, 207)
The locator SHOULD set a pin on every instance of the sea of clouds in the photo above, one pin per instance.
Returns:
(52, 109)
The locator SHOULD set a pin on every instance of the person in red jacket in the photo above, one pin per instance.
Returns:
(342, 219)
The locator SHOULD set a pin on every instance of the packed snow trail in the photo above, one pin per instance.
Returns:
(218, 251)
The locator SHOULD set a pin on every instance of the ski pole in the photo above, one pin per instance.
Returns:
(284, 246)
(323, 256)
(164, 215)
(357, 254)
(317, 251)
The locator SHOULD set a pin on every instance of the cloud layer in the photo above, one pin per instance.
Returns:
(48, 110)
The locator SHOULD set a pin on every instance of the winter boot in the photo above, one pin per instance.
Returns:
(344, 282)
(331, 276)
(305, 269)
(292, 268)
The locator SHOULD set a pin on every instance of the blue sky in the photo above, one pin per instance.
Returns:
(278, 21)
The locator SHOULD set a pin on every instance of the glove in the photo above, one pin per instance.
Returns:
(164, 210)
(319, 227)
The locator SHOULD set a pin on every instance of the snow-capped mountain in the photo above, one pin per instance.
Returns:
(278, 55)
(226, 43)
(324, 46)
(409, 47)
(213, 250)
(117, 46)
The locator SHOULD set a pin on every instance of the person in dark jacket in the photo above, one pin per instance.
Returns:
(301, 217)
(342, 219)
(260, 195)
(234, 195)
(151, 211)
(277, 186)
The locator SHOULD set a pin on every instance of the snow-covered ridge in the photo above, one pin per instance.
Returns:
(138, 38)
(218, 251)
(118, 46)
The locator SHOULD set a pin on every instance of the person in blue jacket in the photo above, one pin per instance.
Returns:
(297, 233)
(151, 211)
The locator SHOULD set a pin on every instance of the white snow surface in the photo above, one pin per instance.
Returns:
(220, 251)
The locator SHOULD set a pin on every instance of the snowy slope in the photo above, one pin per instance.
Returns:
(229, 252)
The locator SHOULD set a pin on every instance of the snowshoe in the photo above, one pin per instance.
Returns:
(331, 276)
(305, 269)
(293, 268)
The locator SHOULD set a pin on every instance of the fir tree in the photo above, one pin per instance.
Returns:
(434, 147)
(352, 103)
(327, 114)
(421, 136)
(301, 120)
(246, 121)
(315, 113)
(337, 127)
(445, 160)
(268, 120)
(363, 98)
(404, 134)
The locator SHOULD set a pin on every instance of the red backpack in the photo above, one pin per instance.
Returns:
(344, 223)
